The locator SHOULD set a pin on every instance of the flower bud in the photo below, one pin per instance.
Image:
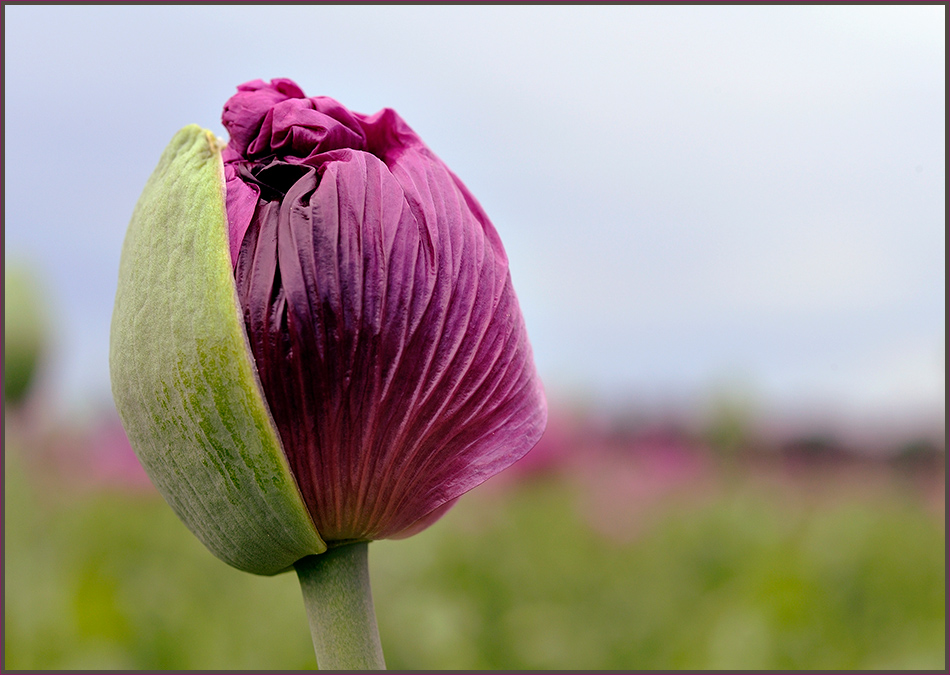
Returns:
(315, 337)
(25, 332)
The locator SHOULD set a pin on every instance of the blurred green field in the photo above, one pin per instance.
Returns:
(519, 575)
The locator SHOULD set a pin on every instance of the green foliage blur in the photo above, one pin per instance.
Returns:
(539, 572)
(24, 330)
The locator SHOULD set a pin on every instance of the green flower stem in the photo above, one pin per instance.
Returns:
(339, 603)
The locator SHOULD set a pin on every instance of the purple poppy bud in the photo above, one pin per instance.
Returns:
(315, 337)
(379, 309)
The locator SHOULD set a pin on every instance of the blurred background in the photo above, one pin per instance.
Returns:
(726, 227)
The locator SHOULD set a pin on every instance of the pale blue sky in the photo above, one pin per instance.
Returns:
(691, 197)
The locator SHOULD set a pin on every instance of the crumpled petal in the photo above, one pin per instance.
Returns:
(379, 310)
(244, 112)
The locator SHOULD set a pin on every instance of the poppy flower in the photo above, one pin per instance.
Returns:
(316, 339)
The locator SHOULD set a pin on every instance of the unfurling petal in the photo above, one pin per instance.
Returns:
(380, 313)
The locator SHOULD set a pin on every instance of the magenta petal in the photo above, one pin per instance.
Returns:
(240, 201)
(382, 319)
(245, 110)
(303, 127)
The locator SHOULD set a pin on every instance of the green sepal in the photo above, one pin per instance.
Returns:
(183, 378)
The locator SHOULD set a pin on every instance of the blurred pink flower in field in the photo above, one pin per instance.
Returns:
(112, 462)
(633, 477)
(90, 456)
